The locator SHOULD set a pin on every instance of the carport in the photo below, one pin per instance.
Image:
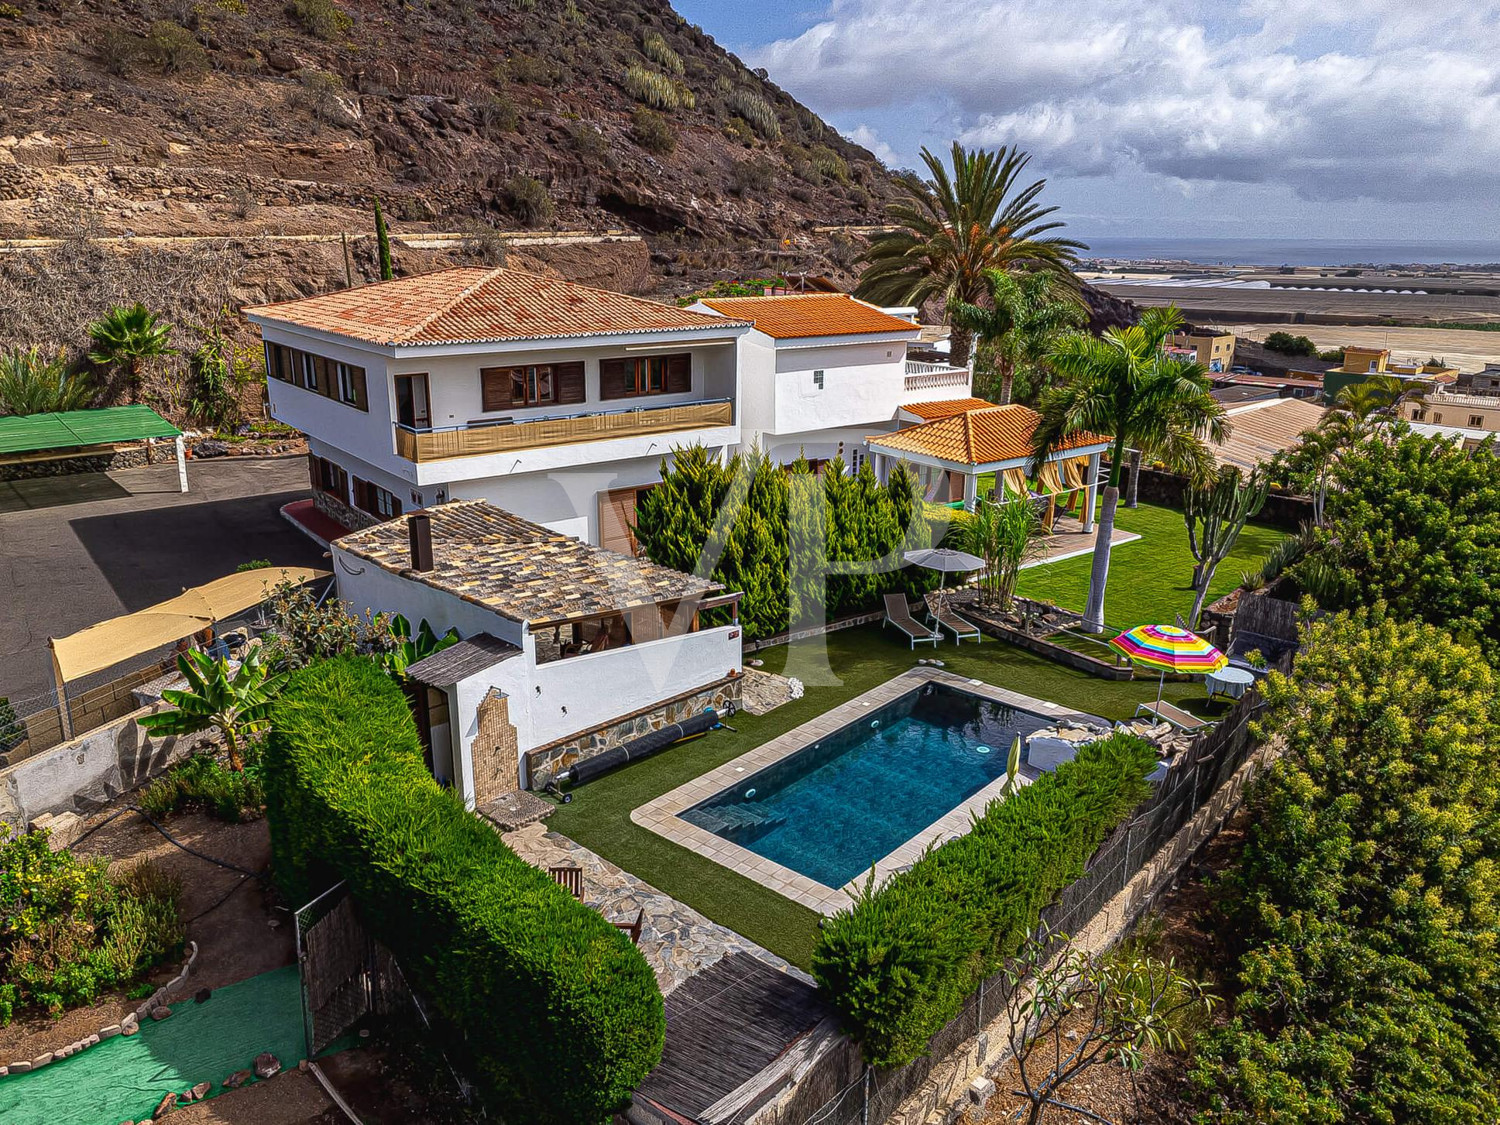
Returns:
(80, 433)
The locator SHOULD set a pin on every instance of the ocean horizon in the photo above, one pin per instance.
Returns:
(1293, 251)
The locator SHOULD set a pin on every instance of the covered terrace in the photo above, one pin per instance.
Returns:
(31, 438)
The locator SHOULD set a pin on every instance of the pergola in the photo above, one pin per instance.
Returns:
(78, 432)
(975, 441)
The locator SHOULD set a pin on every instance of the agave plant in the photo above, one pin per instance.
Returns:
(237, 703)
(408, 649)
(33, 383)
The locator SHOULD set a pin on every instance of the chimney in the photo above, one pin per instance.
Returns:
(419, 531)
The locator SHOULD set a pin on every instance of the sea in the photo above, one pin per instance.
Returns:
(1291, 252)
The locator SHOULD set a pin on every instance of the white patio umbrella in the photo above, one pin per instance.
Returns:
(945, 561)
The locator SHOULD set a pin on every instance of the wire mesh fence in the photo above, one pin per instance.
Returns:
(847, 1092)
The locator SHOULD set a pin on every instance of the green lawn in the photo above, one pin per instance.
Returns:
(1148, 577)
(855, 661)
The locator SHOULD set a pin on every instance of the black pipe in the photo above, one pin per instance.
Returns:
(638, 748)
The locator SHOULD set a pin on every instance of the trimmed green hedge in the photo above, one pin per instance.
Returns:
(899, 963)
(548, 1007)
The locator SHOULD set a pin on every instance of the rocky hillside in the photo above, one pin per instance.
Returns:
(214, 117)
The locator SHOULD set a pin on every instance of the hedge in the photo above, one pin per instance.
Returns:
(900, 962)
(546, 1006)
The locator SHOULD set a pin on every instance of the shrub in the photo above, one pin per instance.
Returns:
(755, 110)
(652, 131)
(323, 18)
(497, 114)
(32, 383)
(588, 142)
(655, 48)
(1287, 344)
(317, 93)
(544, 1004)
(646, 85)
(830, 164)
(172, 49)
(528, 200)
(531, 70)
(751, 177)
(900, 962)
(202, 781)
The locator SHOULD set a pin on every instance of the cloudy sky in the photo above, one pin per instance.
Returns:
(1341, 119)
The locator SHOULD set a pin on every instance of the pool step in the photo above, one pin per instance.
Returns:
(734, 820)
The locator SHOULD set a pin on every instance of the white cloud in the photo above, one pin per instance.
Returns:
(868, 138)
(1383, 99)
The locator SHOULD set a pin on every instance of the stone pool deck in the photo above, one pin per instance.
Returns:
(663, 815)
(676, 940)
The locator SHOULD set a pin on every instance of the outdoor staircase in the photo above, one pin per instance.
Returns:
(735, 822)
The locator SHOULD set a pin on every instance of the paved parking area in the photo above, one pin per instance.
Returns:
(77, 550)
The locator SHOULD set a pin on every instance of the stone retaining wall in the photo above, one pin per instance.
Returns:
(546, 762)
(131, 456)
(342, 513)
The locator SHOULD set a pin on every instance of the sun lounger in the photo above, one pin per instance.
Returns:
(1179, 718)
(898, 613)
(947, 618)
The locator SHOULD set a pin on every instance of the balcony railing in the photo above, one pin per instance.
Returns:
(437, 444)
(929, 376)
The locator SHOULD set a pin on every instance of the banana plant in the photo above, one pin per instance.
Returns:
(237, 703)
(409, 649)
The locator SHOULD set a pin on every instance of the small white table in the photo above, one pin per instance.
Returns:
(1230, 681)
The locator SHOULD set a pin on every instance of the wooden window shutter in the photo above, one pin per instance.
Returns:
(494, 388)
(568, 382)
(361, 390)
(679, 374)
(612, 379)
(617, 520)
(327, 387)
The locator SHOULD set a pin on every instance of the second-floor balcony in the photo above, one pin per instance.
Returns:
(503, 436)
(935, 376)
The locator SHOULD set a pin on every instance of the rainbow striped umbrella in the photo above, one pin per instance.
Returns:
(1170, 648)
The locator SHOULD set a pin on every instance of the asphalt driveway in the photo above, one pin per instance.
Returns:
(77, 550)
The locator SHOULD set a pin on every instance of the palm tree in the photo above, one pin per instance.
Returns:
(1027, 311)
(1377, 397)
(237, 704)
(1125, 385)
(127, 338)
(31, 383)
(952, 228)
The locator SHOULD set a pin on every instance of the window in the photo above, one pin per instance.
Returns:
(412, 409)
(645, 375)
(1437, 417)
(369, 497)
(818, 379)
(342, 381)
(307, 370)
(505, 388)
(1476, 421)
(279, 362)
(1418, 414)
(328, 477)
(531, 386)
(350, 381)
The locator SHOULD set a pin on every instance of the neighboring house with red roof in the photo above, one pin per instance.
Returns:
(553, 400)
(820, 372)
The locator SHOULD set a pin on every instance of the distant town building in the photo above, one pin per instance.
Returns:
(1468, 418)
(1486, 382)
(1290, 386)
(1214, 350)
(1360, 363)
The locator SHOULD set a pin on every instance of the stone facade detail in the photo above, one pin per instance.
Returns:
(545, 762)
(495, 750)
(337, 510)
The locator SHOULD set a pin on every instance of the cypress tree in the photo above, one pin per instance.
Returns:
(383, 241)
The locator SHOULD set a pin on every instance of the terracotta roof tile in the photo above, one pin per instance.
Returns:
(803, 315)
(470, 305)
(946, 408)
(519, 569)
(976, 437)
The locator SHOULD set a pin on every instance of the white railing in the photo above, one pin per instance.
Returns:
(927, 376)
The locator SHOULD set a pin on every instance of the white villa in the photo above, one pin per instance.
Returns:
(566, 650)
(558, 401)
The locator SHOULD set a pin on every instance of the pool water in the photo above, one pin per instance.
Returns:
(832, 809)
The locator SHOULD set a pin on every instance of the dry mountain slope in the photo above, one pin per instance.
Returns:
(233, 117)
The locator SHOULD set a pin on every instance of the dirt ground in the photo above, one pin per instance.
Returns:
(1184, 929)
(239, 927)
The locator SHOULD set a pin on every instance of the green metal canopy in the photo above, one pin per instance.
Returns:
(30, 432)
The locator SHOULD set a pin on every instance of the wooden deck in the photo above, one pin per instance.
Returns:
(724, 1026)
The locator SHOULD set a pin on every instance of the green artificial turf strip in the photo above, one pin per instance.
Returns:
(833, 669)
(1149, 577)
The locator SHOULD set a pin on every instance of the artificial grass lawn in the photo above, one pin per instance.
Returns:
(1148, 577)
(833, 669)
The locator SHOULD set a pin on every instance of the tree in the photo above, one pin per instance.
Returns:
(1027, 311)
(237, 703)
(1375, 398)
(1287, 344)
(1364, 912)
(953, 228)
(1070, 1010)
(31, 383)
(1006, 536)
(1215, 515)
(383, 243)
(128, 338)
(1125, 385)
(221, 370)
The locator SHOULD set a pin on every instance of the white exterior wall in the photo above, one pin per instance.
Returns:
(364, 586)
(863, 383)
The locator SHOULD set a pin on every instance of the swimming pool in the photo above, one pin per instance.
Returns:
(830, 810)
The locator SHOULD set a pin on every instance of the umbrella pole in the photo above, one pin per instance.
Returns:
(1160, 684)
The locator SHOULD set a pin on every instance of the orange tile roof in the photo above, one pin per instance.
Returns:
(471, 305)
(947, 408)
(976, 437)
(802, 315)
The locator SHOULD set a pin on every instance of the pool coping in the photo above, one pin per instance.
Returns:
(661, 815)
